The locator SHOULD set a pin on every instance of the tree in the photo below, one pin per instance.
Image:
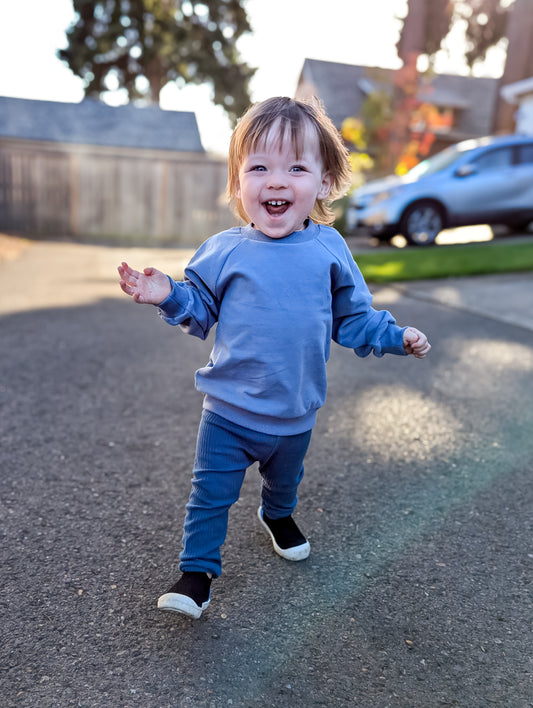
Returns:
(142, 45)
(488, 22)
(397, 130)
(486, 25)
(428, 22)
(425, 26)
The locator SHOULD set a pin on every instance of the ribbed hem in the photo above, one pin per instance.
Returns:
(258, 422)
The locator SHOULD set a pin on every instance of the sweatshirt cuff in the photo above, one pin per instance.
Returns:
(175, 303)
(394, 343)
(390, 343)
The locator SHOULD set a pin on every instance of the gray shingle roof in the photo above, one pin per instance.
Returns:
(91, 122)
(344, 87)
(337, 85)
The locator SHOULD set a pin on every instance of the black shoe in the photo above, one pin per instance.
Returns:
(190, 595)
(287, 539)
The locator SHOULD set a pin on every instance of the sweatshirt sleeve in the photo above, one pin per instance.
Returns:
(193, 308)
(356, 324)
(194, 303)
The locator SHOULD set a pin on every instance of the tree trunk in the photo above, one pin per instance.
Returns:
(519, 62)
(413, 31)
(154, 74)
(410, 46)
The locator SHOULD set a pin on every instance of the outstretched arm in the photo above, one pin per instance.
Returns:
(150, 287)
(415, 342)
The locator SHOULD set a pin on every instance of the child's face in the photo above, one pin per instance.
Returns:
(279, 190)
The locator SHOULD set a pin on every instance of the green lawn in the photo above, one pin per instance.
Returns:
(445, 261)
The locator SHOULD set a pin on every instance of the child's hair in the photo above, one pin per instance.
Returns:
(290, 117)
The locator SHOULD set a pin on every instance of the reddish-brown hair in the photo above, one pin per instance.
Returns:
(291, 117)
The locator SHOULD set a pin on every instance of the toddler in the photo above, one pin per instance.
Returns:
(279, 290)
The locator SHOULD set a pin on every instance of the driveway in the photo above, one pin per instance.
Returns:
(417, 501)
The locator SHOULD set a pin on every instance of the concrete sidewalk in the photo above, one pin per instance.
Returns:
(505, 298)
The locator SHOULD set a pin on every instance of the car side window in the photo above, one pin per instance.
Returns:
(525, 154)
(494, 159)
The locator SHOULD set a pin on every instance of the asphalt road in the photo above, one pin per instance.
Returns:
(417, 500)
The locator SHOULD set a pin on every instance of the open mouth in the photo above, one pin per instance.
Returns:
(276, 206)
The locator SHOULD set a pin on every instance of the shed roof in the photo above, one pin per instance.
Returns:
(344, 87)
(92, 122)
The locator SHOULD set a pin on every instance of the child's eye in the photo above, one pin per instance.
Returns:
(297, 168)
(257, 168)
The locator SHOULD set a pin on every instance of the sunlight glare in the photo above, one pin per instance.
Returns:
(465, 234)
(414, 427)
(496, 356)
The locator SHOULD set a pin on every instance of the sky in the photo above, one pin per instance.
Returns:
(285, 33)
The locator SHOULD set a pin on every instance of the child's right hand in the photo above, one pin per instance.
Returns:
(150, 287)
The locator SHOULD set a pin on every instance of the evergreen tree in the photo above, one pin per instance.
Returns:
(147, 43)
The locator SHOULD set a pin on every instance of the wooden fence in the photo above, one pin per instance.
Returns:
(149, 197)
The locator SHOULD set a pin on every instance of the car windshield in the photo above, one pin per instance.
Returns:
(438, 162)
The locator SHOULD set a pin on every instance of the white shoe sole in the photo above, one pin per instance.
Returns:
(174, 602)
(297, 553)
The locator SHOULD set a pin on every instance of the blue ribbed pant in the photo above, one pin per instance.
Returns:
(224, 451)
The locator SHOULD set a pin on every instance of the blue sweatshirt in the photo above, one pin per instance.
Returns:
(278, 303)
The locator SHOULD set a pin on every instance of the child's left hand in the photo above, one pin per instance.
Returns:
(415, 342)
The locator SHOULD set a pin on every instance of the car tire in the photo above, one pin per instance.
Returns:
(422, 222)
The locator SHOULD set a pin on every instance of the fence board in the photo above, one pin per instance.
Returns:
(111, 193)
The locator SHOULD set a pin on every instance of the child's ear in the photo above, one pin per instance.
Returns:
(325, 187)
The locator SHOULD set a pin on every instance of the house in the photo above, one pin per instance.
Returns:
(89, 170)
(343, 89)
(520, 93)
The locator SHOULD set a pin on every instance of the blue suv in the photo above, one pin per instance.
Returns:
(483, 181)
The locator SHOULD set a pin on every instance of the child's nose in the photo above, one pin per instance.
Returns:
(277, 179)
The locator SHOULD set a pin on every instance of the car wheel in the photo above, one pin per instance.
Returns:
(422, 223)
